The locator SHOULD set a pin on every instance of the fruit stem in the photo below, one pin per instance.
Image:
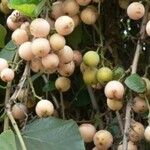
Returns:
(62, 105)
(119, 121)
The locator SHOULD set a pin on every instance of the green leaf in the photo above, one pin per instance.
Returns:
(49, 86)
(136, 83)
(53, 134)
(8, 51)
(7, 141)
(3, 33)
(118, 72)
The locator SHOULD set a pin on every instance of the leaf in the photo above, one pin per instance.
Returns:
(53, 134)
(118, 73)
(136, 83)
(49, 86)
(8, 51)
(7, 141)
(3, 33)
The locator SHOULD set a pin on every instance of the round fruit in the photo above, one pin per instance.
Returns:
(114, 105)
(19, 36)
(114, 90)
(64, 25)
(3, 64)
(62, 84)
(83, 2)
(39, 28)
(87, 132)
(131, 146)
(26, 26)
(76, 20)
(89, 76)
(50, 61)
(124, 4)
(103, 139)
(147, 82)
(104, 74)
(97, 86)
(19, 111)
(40, 47)
(22, 94)
(30, 103)
(135, 10)
(7, 75)
(91, 58)
(77, 57)
(148, 28)
(89, 15)
(57, 42)
(36, 65)
(66, 54)
(147, 133)
(25, 51)
(44, 108)
(139, 105)
(70, 7)
(83, 67)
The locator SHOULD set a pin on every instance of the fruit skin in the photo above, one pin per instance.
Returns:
(91, 59)
(83, 2)
(39, 28)
(25, 51)
(103, 139)
(3, 64)
(44, 108)
(40, 47)
(64, 25)
(77, 57)
(19, 111)
(147, 82)
(87, 132)
(147, 133)
(124, 4)
(114, 90)
(104, 74)
(131, 146)
(76, 20)
(135, 10)
(148, 28)
(62, 84)
(83, 67)
(7, 75)
(114, 105)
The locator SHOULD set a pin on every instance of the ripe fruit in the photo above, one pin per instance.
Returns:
(114, 90)
(89, 76)
(135, 10)
(62, 84)
(103, 139)
(70, 7)
(89, 15)
(136, 132)
(40, 47)
(7, 74)
(50, 71)
(57, 42)
(139, 105)
(39, 28)
(66, 54)
(87, 132)
(77, 57)
(44, 108)
(76, 20)
(64, 25)
(131, 146)
(91, 58)
(36, 64)
(83, 2)
(19, 111)
(22, 94)
(114, 105)
(25, 51)
(20, 36)
(3, 64)
(147, 133)
(50, 61)
(104, 74)
(83, 67)
(148, 28)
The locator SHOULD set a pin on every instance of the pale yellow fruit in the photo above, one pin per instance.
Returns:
(147, 133)
(76, 20)
(148, 28)
(7, 75)
(3, 64)
(83, 67)
(131, 146)
(83, 2)
(36, 64)
(77, 57)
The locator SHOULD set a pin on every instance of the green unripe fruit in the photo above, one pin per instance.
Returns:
(104, 74)
(91, 58)
(89, 76)
(118, 73)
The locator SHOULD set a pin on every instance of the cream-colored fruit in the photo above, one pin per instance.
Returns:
(19, 111)
(44, 108)
(114, 105)
(57, 42)
(76, 20)
(148, 28)
(19, 36)
(87, 132)
(50, 61)
(64, 25)
(103, 139)
(147, 133)
(36, 64)
(147, 82)
(70, 7)
(7, 75)
(77, 57)
(135, 10)
(40, 47)
(83, 2)
(131, 146)
(62, 84)
(50, 71)
(114, 90)
(3, 64)
(39, 28)
(25, 51)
